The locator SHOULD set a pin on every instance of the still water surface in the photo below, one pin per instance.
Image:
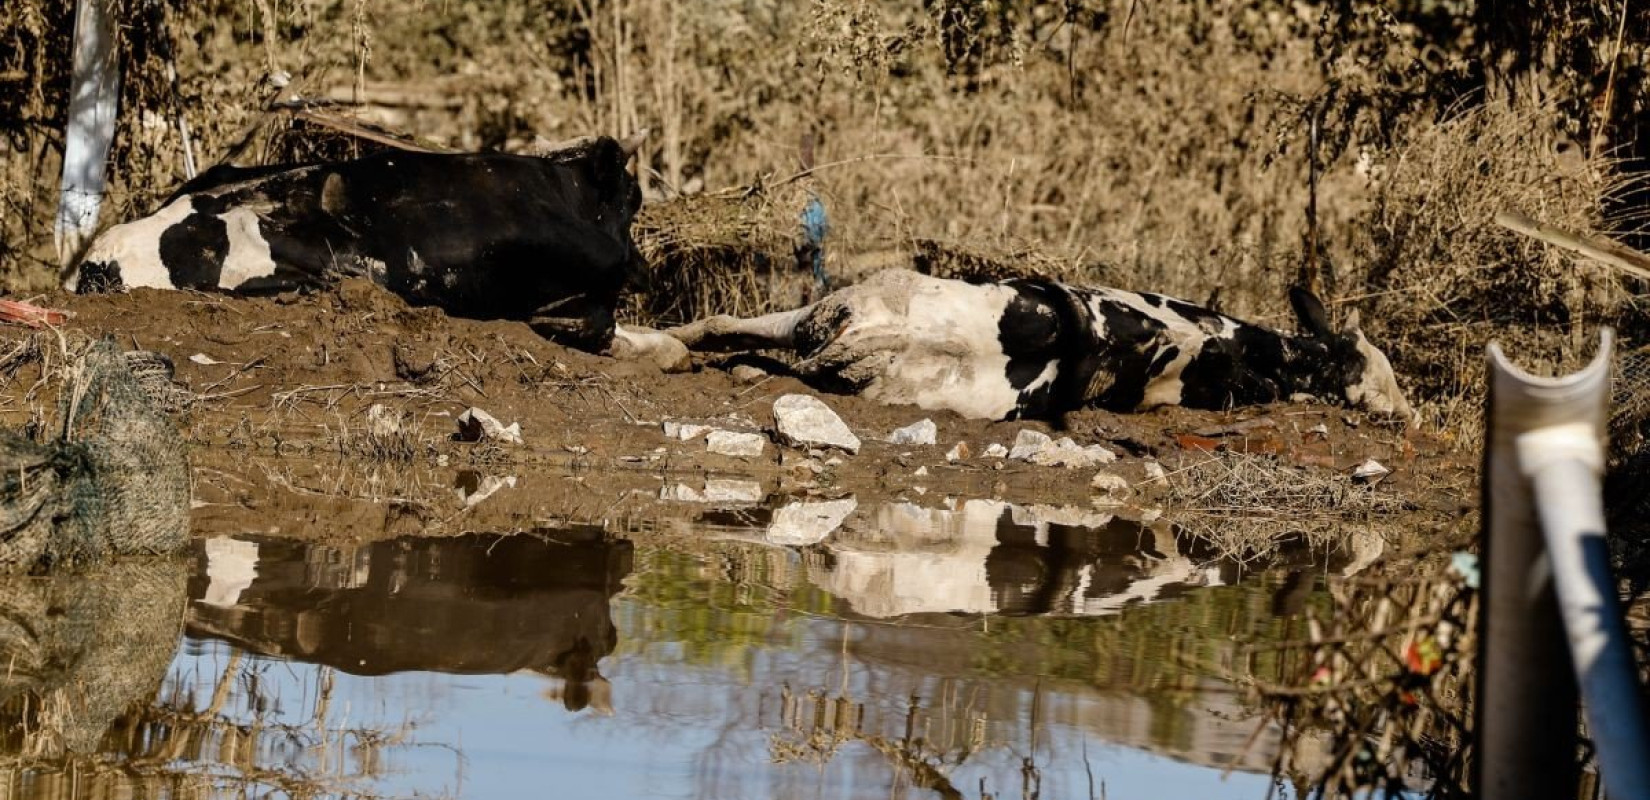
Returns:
(974, 650)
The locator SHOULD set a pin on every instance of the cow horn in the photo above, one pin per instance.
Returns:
(630, 144)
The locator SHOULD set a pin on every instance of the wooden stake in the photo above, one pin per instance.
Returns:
(1598, 248)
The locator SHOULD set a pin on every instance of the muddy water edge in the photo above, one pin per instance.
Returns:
(372, 609)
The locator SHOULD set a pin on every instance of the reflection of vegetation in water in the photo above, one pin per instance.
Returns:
(716, 605)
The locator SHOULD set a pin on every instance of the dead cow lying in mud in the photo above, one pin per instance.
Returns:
(543, 239)
(1037, 348)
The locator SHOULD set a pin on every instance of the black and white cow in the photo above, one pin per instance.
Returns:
(1037, 348)
(543, 239)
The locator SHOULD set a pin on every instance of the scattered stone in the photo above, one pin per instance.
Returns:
(1155, 472)
(1320, 431)
(958, 453)
(803, 420)
(922, 472)
(1111, 489)
(995, 450)
(1349, 422)
(1027, 444)
(735, 443)
(684, 431)
(833, 461)
(804, 523)
(1370, 471)
(1037, 448)
(475, 425)
(203, 360)
(576, 449)
(922, 432)
(747, 374)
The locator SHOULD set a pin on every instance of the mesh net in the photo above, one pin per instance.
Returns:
(115, 481)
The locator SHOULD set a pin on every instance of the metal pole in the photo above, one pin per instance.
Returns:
(1551, 617)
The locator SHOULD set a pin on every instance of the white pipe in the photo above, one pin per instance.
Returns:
(94, 96)
(1555, 427)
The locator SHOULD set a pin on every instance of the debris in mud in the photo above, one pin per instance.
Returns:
(1037, 448)
(1370, 471)
(804, 523)
(472, 488)
(922, 432)
(474, 425)
(958, 453)
(382, 422)
(995, 450)
(805, 421)
(735, 443)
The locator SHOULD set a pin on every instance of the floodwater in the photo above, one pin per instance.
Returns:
(769, 649)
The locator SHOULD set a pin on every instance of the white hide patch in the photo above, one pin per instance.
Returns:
(135, 247)
(248, 256)
(928, 342)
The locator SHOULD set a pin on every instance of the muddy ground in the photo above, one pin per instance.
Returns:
(280, 392)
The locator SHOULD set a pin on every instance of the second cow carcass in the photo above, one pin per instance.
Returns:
(544, 239)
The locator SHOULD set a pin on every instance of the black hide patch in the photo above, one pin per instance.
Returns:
(1029, 333)
(193, 251)
(97, 277)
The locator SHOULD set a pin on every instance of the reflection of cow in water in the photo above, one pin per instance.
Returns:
(991, 557)
(475, 604)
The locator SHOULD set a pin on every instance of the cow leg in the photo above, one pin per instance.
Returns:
(645, 344)
(725, 334)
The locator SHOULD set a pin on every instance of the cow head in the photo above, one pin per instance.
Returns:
(1357, 371)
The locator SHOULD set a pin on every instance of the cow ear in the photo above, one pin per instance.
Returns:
(1309, 312)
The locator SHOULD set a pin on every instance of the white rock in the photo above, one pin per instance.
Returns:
(475, 425)
(684, 431)
(735, 443)
(922, 432)
(922, 472)
(1038, 448)
(802, 420)
(1071, 456)
(1110, 488)
(1370, 471)
(958, 453)
(1027, 444)
(1155, 471)
(747, 374)
(995, 450)
(804, 523)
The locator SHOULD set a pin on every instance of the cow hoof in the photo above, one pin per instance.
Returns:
(642, 344)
